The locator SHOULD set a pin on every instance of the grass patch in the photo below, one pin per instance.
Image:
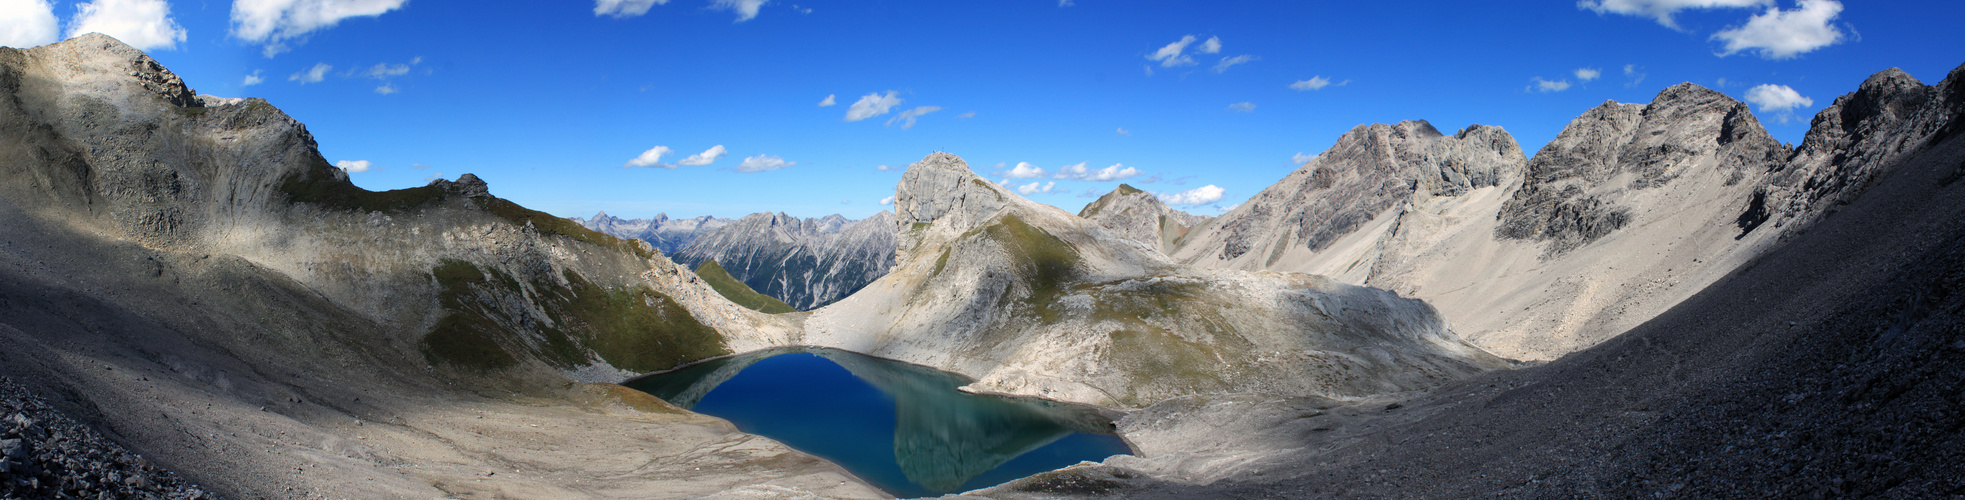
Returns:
(1047, 264)
(550, 224)
(635, 329)
(737, 291)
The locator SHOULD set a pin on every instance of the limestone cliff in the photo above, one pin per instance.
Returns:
(1333, 216)
(1140, 216)
(1032, 300)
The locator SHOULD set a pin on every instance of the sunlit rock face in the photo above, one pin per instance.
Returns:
(1031, 300)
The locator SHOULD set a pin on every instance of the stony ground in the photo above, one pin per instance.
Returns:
(44, 454)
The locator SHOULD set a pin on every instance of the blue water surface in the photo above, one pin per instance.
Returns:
(902, 427)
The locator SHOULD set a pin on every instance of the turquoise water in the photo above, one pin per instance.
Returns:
(900, 426)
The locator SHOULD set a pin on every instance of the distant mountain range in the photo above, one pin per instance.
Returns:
(807, 263)
(667, 235)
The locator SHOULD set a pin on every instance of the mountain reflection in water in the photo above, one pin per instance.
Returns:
(902, 427)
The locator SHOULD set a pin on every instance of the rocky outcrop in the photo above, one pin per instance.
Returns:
(1853, 141)
(667, 235)
(1139, 216)
(1035, 301)
(1574, 187)
(1331, 216)
(807, 263)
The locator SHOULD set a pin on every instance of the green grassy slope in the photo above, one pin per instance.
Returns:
(738, 292)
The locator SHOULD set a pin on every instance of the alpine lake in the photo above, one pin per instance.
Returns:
(905, 428)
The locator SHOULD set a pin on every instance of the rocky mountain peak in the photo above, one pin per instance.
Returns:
(93, 57)
(940, 188)
(1140, 216)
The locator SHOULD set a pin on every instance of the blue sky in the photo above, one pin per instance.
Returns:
(550, 102)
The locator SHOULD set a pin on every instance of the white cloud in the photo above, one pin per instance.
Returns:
(885, 168)
(1301, 158)
(1771, 97)
(1198, 196)
(252, 79)
(1784, 34)
(1633, 72)
(1662, 10)
(1172, 54)
(1024, 170)
(1123, 131)
(1212, 46)
(625, 8)
(1079, 173)
(384, 71)
(275, 22)
(28, 23)
(1065, 3)
(144, 24)
(353, 166)
(433, 177)
(312, 75)
(386, 88)
(871, 105)
(1243, 106)
(1227, 62)
(1032, 188)
(419, 166)
(907, 117)
(1089, 193)
(745, 9)
(704, 158)
(651, 158)
(887, 201)
(1316, 83)
(762, 163)
(1587, 74)
(1546, 86)
(829, 100)
(966, 116)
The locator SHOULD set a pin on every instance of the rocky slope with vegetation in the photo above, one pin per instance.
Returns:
(187, 274)
(1031, 300)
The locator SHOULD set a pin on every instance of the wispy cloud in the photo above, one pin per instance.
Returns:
(273, 23)
(706, 157)
(829, 101)
(761, 163)
(1587, 74)
(1242, 107)
(745, 9)
(1079, 172)
(252, 79)
(1032, 188)
(1662, 10)
(1173, 54)
(625, 8)
(1301, 158)
(1024, 170)
(650, 158)
(1770, 97)
(1545, 86)
(966, 116)
(1316, 83)
(144, 24)
(1784, 34)
(312, 75)
(1211, 46)
(1635, 74)
(1123, 131)
(872, 105)
(1198, 196)
(907, 117)
(1227, 62)
(885, 168)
